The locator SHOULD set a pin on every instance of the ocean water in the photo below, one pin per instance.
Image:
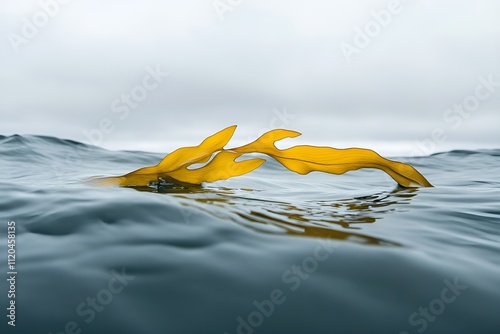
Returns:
(269, 252)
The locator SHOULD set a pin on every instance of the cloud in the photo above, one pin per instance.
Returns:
(264, 55)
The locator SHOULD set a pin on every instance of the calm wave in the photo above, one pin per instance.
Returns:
(269, 252)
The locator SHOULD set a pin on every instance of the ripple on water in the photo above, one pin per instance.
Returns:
(339, 248)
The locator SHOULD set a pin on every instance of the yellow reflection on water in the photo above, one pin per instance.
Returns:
(342, 219)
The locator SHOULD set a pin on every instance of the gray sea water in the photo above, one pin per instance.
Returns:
(269, 252)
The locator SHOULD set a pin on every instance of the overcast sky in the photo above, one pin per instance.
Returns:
(407, 77)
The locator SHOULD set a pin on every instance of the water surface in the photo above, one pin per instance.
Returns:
(269, 252)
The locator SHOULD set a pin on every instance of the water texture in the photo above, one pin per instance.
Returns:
(269, 252)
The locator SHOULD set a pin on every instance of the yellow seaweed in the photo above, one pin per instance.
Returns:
(174, 167)
(302, 159)
(221, 167)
